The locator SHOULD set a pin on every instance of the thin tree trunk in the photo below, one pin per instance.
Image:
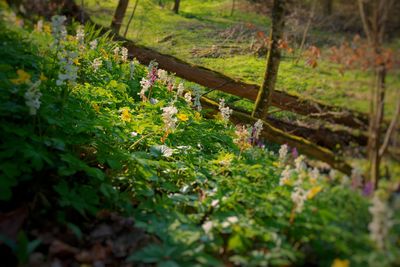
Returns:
(303, 39)
(176, 6)
(119, 15)
(375, 125)
(263, 100)
(131, 17)
(233, 7)
(391, 129)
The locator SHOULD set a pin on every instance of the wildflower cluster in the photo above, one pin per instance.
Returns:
(69, 71)
(93, 44)
(305, 181)
(242, 137)
(224, 110)
(148, 82)
(32, 98)
(58, 29)
(169, 118)
(97, 63)
(197, 97)
(256, 131)
(381, 220)
(80, 36)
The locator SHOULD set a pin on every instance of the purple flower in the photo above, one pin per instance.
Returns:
(260, 144)
(368, 188)
(295, 153)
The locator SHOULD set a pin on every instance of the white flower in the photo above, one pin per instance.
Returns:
(226, 112)
(332, 174)
(97, 64)
(93, 44)
(229, 221)
(207, 226)
(197, 96)
(298, 197)
(180, 90)
(124, 54)
(283, 151)
(134, 134)
(232, 219)
(300, 164)
(132, 69)
(32, 98)
(80, 34)
(145, 84)
(165, 150)
(116, 52)
(215, 203)
(285, 176)
(68, 72)
(162, 75)
(59, 31)
(169, 117)
(258, 126)
(188, 98)
(314, 174)
(381, 221)
(39, 25)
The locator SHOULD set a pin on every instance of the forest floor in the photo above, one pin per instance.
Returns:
(204, 33)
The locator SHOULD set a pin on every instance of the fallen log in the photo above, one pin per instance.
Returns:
(275, 135)
(320, 135)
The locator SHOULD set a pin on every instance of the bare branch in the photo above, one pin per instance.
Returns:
(390, 130)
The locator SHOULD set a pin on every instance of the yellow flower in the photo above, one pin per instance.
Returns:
(46, 28)
(340, 263)
(104, 52)
(96, 107)
(42, 77)
(197, 116)
(313, 192)
(182, 117)
(71, 38)
(125, 115)
(76, 61)
(23, 77)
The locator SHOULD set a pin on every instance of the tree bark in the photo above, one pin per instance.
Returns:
(119, 15)
(176, 6)
(263, 100)
(131, 17)
(375, 126)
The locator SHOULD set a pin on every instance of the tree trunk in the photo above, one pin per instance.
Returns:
(131, 17)
(327, 7)
(263, 100)
(375, 124)
(176, 6)
(119, 15)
